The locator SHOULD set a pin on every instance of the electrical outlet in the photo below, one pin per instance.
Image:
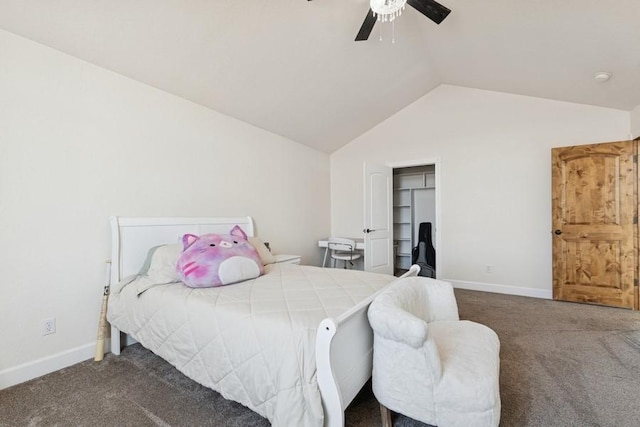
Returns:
(49, 326)
(489, 268)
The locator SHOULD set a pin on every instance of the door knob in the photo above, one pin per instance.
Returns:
(368, 230)
(557, 232)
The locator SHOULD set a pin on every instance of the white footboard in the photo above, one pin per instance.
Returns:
(344, 358)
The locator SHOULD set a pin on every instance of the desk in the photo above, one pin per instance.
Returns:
(325, 243)
(359, 243)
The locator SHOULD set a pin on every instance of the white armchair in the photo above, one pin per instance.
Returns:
(428, 364)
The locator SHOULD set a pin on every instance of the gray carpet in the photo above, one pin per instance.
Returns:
(562, 364)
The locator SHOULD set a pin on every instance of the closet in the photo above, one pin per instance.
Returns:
(414, 202)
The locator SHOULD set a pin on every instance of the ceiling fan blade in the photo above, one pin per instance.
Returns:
(431, 9)
(367, 26)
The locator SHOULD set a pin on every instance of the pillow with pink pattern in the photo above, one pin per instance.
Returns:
(218, 259)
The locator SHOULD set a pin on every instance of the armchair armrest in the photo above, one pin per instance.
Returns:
(438, 301)
(393, 323)
(403, 311)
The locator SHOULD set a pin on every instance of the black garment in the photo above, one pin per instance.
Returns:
(424, 254)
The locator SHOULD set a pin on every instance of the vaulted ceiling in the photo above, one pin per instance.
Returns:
(292, 67)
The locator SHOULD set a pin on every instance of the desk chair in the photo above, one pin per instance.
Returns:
(341, 250)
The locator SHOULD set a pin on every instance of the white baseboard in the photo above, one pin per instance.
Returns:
(37, 368)
(502, 289)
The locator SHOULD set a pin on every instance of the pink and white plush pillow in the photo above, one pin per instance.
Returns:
(218, 259)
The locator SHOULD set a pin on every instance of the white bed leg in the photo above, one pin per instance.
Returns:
(115, 341)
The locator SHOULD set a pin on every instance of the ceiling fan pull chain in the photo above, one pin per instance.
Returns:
(393, 31)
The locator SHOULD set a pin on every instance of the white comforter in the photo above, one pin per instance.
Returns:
(254, 342)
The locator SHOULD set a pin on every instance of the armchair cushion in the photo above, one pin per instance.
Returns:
(469, 353)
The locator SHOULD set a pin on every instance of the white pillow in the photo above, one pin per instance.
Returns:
(162, 263)
(265, 254)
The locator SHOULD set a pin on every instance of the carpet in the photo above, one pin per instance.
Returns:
(562, 364)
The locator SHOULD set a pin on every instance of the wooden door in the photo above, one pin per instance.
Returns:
(594, 190)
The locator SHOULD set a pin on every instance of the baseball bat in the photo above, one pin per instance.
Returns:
(102, 323)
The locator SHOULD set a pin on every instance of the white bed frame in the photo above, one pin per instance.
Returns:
(344, 345)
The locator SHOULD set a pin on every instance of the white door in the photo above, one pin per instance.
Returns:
(378, 218)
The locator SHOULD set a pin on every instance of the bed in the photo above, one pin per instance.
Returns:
(293, 345)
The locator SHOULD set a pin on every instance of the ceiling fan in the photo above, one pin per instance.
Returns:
(429, 8)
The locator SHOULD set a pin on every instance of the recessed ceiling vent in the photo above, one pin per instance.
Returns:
(602, 76)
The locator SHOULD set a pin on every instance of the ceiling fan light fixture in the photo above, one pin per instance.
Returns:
(387, 10)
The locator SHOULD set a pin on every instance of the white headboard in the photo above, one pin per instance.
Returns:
(131, 238)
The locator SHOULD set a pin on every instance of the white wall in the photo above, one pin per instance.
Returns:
(635, 122)
(495, 176)
(79, 143)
